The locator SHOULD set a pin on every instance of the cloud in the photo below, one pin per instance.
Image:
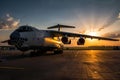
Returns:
(113, 34)
(9, 22)
(119, 16)
(115, 17)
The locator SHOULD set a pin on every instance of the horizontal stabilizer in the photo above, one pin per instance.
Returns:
(59, 26)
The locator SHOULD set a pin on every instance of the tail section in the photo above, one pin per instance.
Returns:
(60, 26)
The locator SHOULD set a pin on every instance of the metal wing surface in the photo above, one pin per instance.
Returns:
(68, 34)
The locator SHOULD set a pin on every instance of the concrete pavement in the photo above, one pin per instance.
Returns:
(71, 65)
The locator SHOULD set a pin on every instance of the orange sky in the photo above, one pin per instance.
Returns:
(95, 42)
(101, 16)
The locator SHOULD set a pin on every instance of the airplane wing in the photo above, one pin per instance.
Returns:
(68, 34)
(5, 41)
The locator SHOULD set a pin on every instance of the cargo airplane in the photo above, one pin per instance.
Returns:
(39, 41)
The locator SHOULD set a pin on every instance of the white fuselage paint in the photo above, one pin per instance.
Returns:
(40, 38)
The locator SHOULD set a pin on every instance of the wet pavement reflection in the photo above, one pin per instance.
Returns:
(71, 65)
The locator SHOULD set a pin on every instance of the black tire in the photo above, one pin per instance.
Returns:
(32, 54)
(58, 51)
(37, 53)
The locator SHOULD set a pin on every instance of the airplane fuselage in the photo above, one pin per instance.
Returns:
(34, 39)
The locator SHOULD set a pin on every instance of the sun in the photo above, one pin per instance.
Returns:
(93, 33)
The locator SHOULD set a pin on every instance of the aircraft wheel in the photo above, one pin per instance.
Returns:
(32, 54)
(40, 52)
(58, 51)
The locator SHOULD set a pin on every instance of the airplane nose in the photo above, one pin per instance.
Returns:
(14, 37)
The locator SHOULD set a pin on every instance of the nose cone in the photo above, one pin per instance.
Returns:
(14, 37)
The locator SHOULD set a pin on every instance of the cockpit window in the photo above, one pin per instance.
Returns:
(25, 29)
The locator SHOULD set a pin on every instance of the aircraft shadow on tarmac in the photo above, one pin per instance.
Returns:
(14, 57)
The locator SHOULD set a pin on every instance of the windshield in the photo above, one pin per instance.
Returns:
(25, 29)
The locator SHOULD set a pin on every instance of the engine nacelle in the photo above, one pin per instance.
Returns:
(65, 40)
(81, 41)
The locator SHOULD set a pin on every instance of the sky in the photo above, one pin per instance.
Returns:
(100, 16)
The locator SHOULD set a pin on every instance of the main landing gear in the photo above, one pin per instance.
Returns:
(37, 52)
(58, 51)
(41, 52)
